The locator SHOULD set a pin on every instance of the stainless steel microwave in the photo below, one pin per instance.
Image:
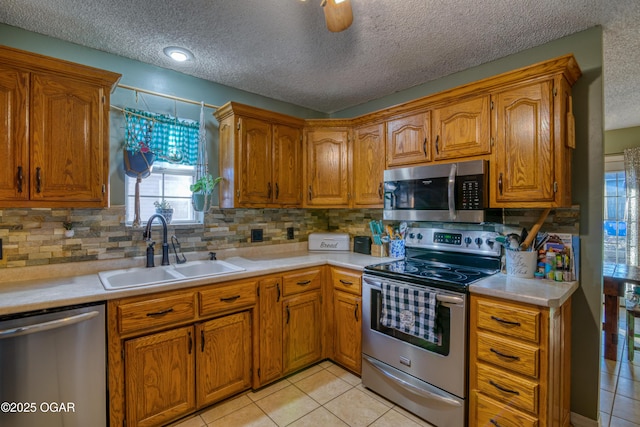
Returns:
(448, 192)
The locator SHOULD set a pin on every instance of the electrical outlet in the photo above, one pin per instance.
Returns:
(256, 235)
(289, 233)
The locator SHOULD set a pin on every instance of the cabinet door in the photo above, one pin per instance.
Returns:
(159, 377)
(69, 158)
(407, 140)
(302, 331)
(223, 357)
(348, 330)
(271, 364)
(462, 129)
(14, 175)
(368, 166)
(327, 167)
(287, 162)
(255, 162)
(523, 166)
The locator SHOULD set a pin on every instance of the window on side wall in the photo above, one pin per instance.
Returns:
(615, 227)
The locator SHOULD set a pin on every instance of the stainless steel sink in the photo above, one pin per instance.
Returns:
(206, 268)
(136, 277)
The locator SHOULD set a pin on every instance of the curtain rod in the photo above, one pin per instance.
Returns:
(164, 95)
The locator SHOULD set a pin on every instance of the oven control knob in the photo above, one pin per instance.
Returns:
(490, 243)
(412, 236)
(467, 240)
(478, 241)
(420, 236)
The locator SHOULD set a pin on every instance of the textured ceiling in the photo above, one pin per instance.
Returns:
(281, 48)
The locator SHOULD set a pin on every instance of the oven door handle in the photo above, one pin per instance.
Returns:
(446, 299)
(452, 191)
(410, 387)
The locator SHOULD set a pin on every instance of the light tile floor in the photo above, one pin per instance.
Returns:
(322, 395)
(620, 383)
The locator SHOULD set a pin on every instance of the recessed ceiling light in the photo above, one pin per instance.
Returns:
(178, 54)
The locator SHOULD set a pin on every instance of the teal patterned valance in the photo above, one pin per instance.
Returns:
(172, 139)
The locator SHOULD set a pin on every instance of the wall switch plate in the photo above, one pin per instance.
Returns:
(256, 235)
(290, 233)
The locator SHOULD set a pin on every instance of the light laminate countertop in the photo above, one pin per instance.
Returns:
(56, 290)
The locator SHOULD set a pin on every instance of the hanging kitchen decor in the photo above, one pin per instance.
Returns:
(202, 188)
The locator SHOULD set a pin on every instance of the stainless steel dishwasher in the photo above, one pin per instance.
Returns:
(53, 368)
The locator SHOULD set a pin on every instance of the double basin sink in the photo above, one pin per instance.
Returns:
(135, 277)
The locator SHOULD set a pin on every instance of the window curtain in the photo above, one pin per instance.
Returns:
(172, 139)
(632, 216)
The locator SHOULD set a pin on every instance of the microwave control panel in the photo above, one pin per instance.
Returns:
(471, 194)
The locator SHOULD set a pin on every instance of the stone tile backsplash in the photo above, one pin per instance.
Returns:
(32, 237)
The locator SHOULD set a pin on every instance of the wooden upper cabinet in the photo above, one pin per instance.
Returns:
(408, 140)
(55, 136)
(287, 165)
(368, 165)
(260, 157)
(523, 171)
(14, 142)
(327, 167)
(255, 161)
(461, 129)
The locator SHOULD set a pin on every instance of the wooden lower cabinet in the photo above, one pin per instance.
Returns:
(270, 364)
(302, 338)
(223, 357)
(159, 377)
(519, 363)
(347, 340)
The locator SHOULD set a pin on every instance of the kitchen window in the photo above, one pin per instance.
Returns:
(168, 182)
(615, 226)
(174, 141)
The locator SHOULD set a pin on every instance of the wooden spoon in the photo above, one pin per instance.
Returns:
(534, 230)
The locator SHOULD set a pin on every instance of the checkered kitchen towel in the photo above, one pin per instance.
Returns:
(409, 310)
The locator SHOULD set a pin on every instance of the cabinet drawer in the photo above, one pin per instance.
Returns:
(517, 391)
(224, 298)
(518, 357)
(301, 281)
(509, 319)
(152, 313)
(488, 412)
(347, 281)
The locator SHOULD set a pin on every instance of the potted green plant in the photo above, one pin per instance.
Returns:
(165, 209)
(68, 229)
(202, 190)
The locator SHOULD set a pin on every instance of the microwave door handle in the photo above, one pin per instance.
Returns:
(452, 191)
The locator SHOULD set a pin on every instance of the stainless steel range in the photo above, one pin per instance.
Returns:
(414, 329)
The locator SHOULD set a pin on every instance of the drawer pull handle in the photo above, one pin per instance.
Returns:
(504, 355)
(506, 390)
(230, 299)
(304, 283)
(355, 312)
(506, 322)
(278, 289)
(494, 422)
(159, 313)
(346, 282)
